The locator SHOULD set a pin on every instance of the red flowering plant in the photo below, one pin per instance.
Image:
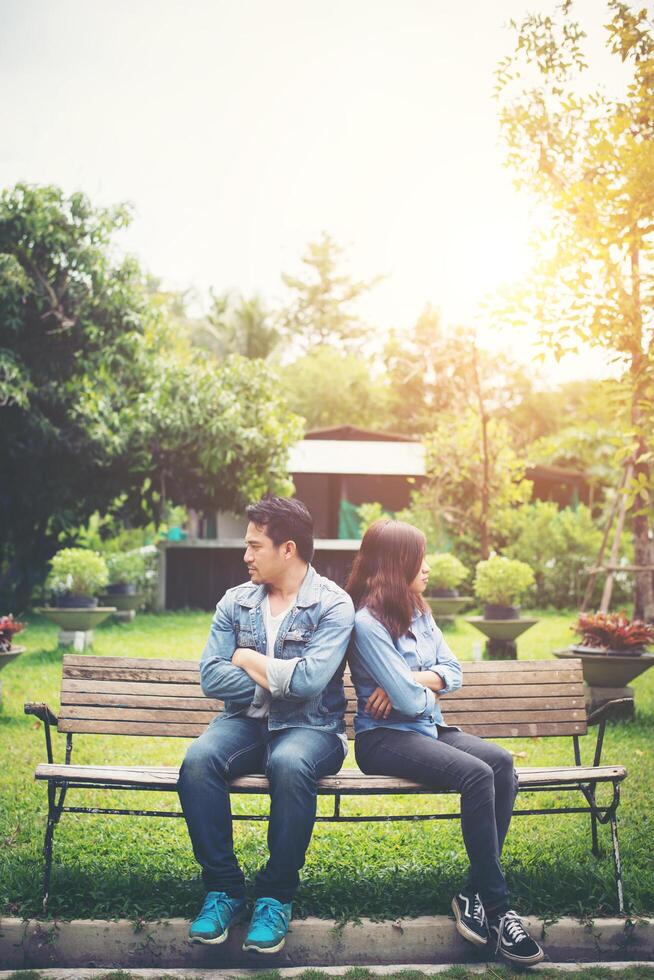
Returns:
(8, 627)
(613, 632)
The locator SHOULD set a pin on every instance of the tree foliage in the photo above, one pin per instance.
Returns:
(589, 157)
(321, 309)
(236, 325)
(328, 387)
(103, 404)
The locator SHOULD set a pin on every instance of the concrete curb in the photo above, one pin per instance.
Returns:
(311, 942)
(288, 973)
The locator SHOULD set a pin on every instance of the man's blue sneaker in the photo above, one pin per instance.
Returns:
(269, 925)
(216, 916)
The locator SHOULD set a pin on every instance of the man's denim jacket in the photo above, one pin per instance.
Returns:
(306, 672)
(376, 660)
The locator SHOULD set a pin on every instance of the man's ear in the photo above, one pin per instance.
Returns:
(289, 550)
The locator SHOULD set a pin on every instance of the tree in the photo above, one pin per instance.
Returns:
(235, 325)
(218, 435)
(321, 308)
(102, 401)
(470, 482)
(430, 368)
(589, 158)
(328, 387)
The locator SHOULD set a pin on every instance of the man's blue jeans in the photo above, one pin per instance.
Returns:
(293, 759)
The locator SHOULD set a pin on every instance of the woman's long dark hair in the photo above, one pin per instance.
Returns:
(389, 559)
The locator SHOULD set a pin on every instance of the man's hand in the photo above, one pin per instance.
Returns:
(254, 665)
(378, 705)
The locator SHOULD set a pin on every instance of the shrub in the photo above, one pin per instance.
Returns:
(560, 546)
(445, 571)
(126, 567)
(502, 581)
(78, 571)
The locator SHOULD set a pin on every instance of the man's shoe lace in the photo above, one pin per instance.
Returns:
(270, 915)
(512, 923)
(214, 904)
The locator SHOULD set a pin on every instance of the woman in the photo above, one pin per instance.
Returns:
(400, 666)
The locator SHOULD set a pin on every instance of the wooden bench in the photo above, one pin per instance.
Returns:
(162, 698)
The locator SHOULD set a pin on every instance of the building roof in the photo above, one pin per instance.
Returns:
(352, 433)
(370, 457)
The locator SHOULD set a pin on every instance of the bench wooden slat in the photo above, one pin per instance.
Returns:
(189, 676)
(90, 686)
(511, 704)
(88, 659)
(570, 689)
(138, 701)
(347, 780)
(158, 715)
(453, 717)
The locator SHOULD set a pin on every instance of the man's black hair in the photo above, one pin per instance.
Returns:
(284, 519)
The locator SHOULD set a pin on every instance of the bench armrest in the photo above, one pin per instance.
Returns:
(47, 716)
(41, 711)
(606, 710)
(600, 717)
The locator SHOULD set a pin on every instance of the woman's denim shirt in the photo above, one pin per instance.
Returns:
(376, 660)
(306, 672)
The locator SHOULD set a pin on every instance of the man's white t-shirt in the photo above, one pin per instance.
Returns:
(260, 707)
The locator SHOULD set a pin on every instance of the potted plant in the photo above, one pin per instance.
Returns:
(76, 576)
(446, 573)
(501, 583)
(612, 633)
(127, 572)
(8, 629)
(613, 652)
(8, 652)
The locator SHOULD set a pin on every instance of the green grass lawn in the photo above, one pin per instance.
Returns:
(119, 866)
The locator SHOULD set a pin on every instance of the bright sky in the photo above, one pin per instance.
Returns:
(240, 130)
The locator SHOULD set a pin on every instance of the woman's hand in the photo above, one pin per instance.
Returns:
(378, 705)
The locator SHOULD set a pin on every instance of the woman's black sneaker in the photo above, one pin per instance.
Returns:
(514, 942)
(470, 918)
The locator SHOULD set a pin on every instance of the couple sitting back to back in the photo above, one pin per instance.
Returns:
(275, 656)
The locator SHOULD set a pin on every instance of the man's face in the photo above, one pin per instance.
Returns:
(264, 560)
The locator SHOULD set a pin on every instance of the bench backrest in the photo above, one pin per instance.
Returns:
(139, 696)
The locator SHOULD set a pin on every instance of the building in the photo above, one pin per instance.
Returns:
(334, 471)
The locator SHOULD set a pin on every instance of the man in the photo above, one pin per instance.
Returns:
(275, 656)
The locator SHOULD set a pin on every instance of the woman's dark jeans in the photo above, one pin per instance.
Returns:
(480, 771)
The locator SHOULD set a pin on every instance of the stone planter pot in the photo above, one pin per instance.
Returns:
(496, 610)
(602, 669)
(120, 588)
(6, 656)
(126, 604)
(76, 625)
(447, 607)
(72, 601)
(607, 676)
(502, 634)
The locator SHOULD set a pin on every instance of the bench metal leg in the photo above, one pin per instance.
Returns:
(47, 853)
(617, 862)
(593, 831)
(54, 813)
